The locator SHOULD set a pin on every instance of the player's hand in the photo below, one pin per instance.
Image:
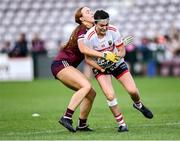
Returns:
(128, 40)
(102, 70)
(110, 56)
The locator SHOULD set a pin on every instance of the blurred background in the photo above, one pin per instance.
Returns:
(33, 31)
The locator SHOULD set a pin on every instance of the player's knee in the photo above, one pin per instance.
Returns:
(94, 92)
(110, 96)
(91, 95)
(112, 102)
(87, 86)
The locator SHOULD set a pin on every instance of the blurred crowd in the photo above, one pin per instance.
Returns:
(22, 47)
(152, 56)
(155, 56)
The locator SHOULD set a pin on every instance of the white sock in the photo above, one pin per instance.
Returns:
(138, 105)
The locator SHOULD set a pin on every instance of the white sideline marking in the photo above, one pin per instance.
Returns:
(105, 127)
(163, 124)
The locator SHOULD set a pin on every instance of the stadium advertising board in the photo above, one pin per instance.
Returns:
(15, 69)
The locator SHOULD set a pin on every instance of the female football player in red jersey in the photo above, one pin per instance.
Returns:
(64, 69)
(104, 36)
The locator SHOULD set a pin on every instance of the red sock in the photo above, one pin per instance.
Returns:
(120, 120)
(69, 113)
(82, 122)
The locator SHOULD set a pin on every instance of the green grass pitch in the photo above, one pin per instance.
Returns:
(49, 98)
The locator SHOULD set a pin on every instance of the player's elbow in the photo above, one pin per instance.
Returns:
(87, 61)
(123, 54)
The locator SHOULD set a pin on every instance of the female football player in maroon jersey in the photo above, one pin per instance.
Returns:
(64, 69)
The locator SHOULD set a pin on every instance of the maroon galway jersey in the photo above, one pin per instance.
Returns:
(72, 54)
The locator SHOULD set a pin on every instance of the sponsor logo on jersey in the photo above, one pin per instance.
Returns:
(110, 42)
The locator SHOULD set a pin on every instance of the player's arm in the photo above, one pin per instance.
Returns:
(121, 46)
(90, 52)
(121, 51)
(125, 42)
(120, 42)
(87, 51)
(92, 63)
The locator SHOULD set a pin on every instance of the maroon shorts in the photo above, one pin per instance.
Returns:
(117, 73)
(57, 66)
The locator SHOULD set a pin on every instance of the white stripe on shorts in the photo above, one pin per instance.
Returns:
(65, 63)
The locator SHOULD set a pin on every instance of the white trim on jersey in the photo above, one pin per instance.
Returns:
(109, 42)
(81, 37)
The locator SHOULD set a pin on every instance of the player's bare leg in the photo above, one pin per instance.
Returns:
(85, 108)
(130, 86)
(75, 80)
(106, 85)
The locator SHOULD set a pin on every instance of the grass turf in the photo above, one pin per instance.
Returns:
(49, 98)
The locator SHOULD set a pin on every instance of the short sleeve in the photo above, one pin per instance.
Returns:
(80, 34)
(117, 37)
